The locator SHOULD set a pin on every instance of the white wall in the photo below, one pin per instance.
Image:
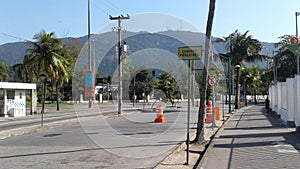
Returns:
(290, 99)
(297, 100)
(283, 101)
(18, 104)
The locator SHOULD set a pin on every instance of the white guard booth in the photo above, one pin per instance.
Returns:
(13, 99)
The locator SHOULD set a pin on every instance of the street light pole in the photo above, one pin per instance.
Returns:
(274, 69)
(245, 95)
(237, 93)
(43, 78)
(225, 56)
(297, 59)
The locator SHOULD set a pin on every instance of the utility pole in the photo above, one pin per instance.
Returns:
(89, 36)
(297, 59)
(192, 83)
(120, 87)
(91, 88)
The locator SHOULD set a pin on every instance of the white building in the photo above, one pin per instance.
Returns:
(13, 98)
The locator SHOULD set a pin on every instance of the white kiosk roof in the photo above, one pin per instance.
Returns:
(12, 85)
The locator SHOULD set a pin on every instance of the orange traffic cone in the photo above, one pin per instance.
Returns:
(159, 114)
(198, 103)
(208, 117)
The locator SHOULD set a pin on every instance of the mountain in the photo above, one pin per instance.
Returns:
(139, 43)
(13, 53)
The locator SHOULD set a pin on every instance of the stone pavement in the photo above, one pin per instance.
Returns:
(253, 139)
(177, 159)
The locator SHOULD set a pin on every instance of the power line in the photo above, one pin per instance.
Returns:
(99, 8)
(15, 37)
(108, 7)
(113, 6)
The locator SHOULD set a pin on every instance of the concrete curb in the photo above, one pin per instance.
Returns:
(179, 151)
(36, 128)
(210, 145)
(205, 146)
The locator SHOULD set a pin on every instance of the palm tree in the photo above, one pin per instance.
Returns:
(203, 85)
(3, 71)
(46, 57)
(242, 47)
(253, 78)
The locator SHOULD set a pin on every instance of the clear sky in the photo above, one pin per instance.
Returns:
(265, 19)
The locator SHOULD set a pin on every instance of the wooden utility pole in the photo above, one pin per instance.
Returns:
(120, 87)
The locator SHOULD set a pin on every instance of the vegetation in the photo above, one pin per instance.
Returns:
(242, 47)
(252, 80)
(168, 85)
(47, 55)
(141, 85)
(284, 61)
(3, 71)
(47, 61)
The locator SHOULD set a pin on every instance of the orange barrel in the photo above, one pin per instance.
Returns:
(217, 112)
(208, 117)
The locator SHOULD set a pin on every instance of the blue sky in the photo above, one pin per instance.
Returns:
(265, 19)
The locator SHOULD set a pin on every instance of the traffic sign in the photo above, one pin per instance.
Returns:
(295, 49)
(212, 81)
(190, 52)
(294, 40)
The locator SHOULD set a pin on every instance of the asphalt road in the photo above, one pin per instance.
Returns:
(129, 141)
(51, 115)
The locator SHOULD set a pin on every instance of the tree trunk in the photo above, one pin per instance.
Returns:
(44, 96)
(203, 86)
(57, 98)
(237, 94)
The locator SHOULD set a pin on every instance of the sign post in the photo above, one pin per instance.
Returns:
(189, 53)
(295, 49)
(89, 86)
(294, 40)
(212, 81)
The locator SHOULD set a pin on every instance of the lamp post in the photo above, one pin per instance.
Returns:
(43, 78)
(274, 68)
(245, 96)
(237, 91)
(297, 59)
(225, 56)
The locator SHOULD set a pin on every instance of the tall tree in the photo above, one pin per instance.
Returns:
(284, 61)
(203, 86)
(252, 79)
(73, 48)
(3, 71)
(242, 47)
(141, 84)
(46, 57)
(168, 85)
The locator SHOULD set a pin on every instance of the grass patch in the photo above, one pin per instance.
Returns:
(171, 107)
(54, 104)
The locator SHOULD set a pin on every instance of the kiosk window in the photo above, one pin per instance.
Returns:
(10, 94)
(1, 94)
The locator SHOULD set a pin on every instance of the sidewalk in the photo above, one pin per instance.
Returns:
(177, 159)
(253, 139)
